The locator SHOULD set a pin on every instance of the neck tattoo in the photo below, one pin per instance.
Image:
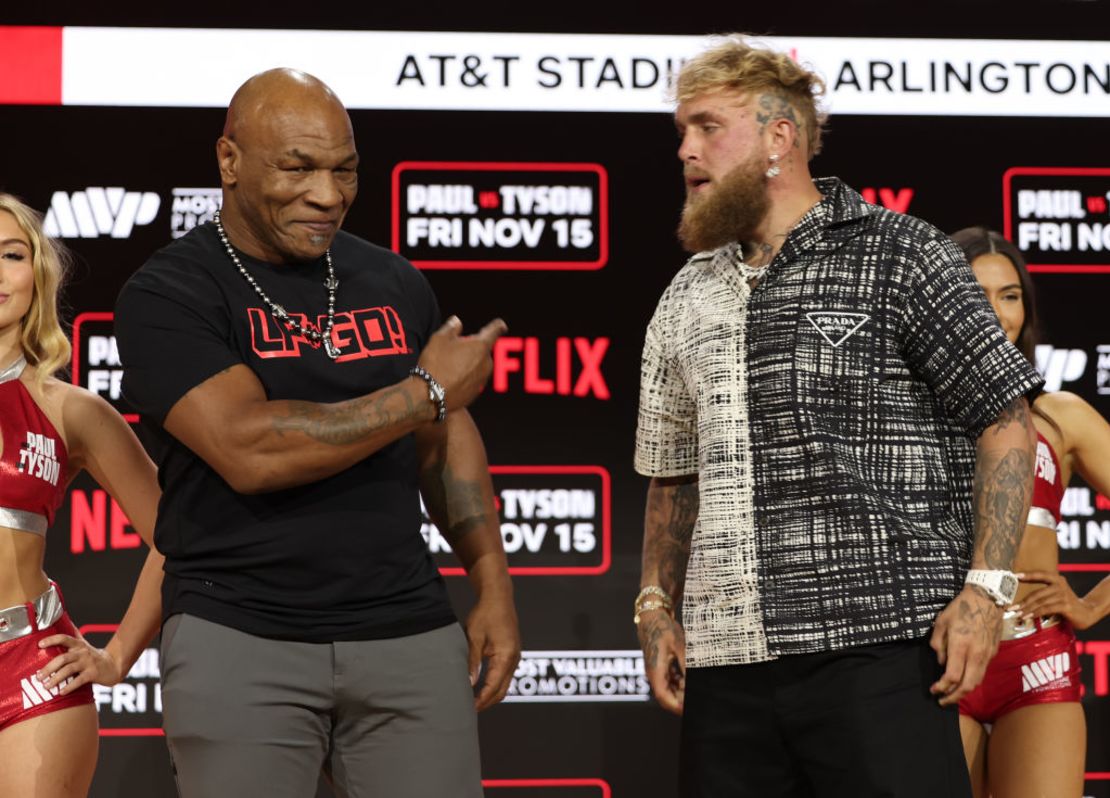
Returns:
(753, 271)
(315, 337)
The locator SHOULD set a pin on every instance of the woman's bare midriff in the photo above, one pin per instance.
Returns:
(1038, 552)
(21, 574)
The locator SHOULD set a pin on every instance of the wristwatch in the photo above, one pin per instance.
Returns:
(999, 585)
(436, 395)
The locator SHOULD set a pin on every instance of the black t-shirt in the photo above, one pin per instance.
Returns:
(337, 559)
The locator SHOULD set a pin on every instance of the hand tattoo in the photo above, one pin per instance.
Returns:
(985, 624)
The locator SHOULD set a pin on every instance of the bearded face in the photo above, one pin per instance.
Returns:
(730, 209)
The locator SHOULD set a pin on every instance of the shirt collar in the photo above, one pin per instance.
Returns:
(835, 218)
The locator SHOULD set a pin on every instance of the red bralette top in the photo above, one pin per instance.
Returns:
(33, 462)
(1048, 490)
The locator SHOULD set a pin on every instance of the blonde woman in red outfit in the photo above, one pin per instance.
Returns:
(1024, 731)
(49, 431)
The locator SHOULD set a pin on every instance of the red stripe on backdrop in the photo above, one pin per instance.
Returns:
(30, 65)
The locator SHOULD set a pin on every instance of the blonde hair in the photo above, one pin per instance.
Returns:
(735, 64)
(44, 342)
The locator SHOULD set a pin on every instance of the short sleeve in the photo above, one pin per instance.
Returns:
(666, 432)
(173, 333)
(951, 338)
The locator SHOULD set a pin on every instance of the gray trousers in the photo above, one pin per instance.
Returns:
(246, 715)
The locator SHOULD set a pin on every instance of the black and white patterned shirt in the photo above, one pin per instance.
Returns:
(830, 414)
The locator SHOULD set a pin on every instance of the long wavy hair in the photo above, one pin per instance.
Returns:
(976, 241)
(44, 342)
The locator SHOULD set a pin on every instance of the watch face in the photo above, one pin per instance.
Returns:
(1008, 586)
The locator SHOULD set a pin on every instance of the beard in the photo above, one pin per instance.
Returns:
(731, 211)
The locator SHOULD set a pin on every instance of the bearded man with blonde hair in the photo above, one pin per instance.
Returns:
(836, 429)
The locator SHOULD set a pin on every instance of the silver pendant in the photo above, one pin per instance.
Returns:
(280, 314)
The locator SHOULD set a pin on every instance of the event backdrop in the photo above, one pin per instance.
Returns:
(534, 177)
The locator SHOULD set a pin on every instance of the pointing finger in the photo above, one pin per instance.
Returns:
(492, 331)
(452, 327)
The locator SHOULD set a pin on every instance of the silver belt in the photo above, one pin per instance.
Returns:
(1014, 628)
(19, 621)
(1039, 516)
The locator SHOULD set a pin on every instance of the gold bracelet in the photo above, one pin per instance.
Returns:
(654, 590)
(649, 605)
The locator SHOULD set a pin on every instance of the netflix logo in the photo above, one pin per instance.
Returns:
(562, 367)
(1094, 661)
(894, 199)
(98, 523)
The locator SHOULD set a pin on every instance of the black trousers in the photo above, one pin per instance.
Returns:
(858, 722)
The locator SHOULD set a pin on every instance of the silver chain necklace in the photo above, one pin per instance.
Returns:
(747, 271)
(314, 336)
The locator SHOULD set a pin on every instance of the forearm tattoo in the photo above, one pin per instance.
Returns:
(652, 627)
(669, 527)
(459, 504)
(346, 422)
(1001, 492)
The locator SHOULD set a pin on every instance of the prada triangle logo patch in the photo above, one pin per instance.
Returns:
(836, 326)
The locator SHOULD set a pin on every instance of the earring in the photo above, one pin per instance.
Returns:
(774, 169)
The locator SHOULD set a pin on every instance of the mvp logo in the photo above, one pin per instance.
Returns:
(99, 211)
(34, 694)
(836, 326)
(1045, 671)
(1060, 365)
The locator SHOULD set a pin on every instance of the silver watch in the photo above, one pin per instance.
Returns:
(999, 585)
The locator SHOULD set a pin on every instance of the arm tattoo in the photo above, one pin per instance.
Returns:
(652, 627)
(1002, 489)
(774, 106)
(669, 526)
(1017, 412)
(459, 504)
(345, 422)
(1000, 501)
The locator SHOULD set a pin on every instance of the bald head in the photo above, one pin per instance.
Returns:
(278, 91)
(287, 162)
